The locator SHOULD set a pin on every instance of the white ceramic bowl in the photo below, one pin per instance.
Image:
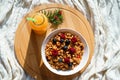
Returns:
(85, 56)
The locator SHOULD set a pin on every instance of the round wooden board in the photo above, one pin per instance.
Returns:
(27, 43)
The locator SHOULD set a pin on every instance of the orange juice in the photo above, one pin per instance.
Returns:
(39, 23)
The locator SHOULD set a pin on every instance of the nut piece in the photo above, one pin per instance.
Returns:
(58, 44)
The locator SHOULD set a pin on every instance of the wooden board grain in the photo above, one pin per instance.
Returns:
(27, 44)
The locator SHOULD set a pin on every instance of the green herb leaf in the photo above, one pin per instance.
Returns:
(55, 17)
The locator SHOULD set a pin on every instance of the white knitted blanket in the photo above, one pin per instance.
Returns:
(103, 15)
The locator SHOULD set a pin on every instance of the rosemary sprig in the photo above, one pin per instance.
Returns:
(55, 17)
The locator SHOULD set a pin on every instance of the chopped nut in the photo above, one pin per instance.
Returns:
(66, 65)
(71, 60)
(54, 47)
(49, 57)
(63, 69)
(55, 60)
(58, 44)
(61, 51)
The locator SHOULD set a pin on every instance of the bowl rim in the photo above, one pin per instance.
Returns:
(60, 72)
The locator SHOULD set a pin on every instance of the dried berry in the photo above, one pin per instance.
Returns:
(70, 64)
(67, 60)
(54, 52)
(62, 36)
(54, 41)
(60, 60)
(74, 39)
(78, 56)
(61, 40)
(72, 50)
(82, 47)
(65, 48)
(67, 42)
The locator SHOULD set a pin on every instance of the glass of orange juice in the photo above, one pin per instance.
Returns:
(38, 23)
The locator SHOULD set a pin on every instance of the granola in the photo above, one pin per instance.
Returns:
(64, 51)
